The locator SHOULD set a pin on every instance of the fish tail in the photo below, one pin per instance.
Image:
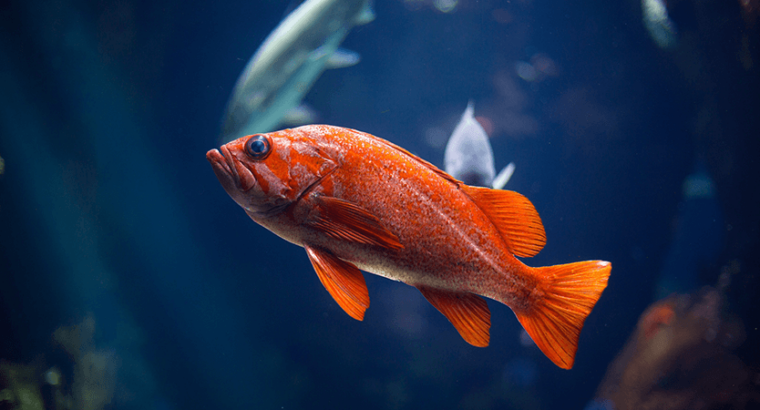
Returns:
(566, 294)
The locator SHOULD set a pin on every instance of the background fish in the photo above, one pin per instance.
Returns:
(291, 58)
(469, 157)
(698, 235)
(355, 201)
(682, 340)
(659, 25)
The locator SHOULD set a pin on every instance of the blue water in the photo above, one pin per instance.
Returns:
(109, 208)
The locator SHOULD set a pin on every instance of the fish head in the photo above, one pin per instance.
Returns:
(265, 173)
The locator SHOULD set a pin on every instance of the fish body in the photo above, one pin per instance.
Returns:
(468, 156)
(288, 62)
(355, 201)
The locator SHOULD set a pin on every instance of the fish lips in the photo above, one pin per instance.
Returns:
(234, 176)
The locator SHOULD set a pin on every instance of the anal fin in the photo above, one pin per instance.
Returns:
(342, 279)
(468, 313)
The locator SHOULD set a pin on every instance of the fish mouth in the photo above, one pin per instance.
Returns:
(231, 173)
(224, 168)
(220, 165)
(217, 160)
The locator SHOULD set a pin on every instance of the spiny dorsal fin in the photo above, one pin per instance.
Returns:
(421, 161)
(342, 279)
(514, 216)
(466, 311)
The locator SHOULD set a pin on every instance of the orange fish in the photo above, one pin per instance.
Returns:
(355, 201)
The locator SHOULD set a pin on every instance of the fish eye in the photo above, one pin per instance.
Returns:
(258, 147)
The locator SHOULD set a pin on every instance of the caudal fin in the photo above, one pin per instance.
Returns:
(555, 319)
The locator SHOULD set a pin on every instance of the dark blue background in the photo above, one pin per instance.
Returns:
(107, 204)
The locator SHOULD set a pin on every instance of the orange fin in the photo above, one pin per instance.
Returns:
(466, 311)
(342, 279)
(567, 293)
(345, 220)
(514, 216)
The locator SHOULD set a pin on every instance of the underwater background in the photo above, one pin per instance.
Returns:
(129, 279)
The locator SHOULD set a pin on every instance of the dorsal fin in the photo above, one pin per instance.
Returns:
(421, 161)
(514, 216)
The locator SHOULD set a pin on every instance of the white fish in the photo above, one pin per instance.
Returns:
(468, 156)
(658, 23)
(301, 115)
(291, 58)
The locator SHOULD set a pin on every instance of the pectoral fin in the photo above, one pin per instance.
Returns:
(345, 220)
(467, 312)
(342, 58)
(342, 279)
